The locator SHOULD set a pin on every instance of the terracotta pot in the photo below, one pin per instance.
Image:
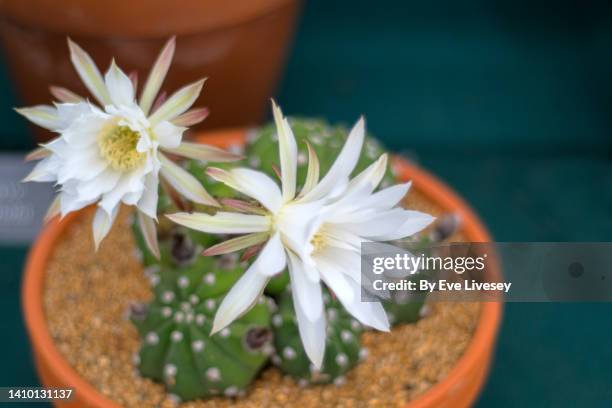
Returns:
(240, 45)
(459, 389)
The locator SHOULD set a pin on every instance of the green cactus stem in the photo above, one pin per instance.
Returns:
(176, 347)
(342, 349)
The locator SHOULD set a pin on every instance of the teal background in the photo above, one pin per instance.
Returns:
(509, 102)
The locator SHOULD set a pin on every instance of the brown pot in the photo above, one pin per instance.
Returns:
(240, 45)
(458, 389)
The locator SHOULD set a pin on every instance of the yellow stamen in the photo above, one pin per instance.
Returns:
(318, 242)
(118, 148)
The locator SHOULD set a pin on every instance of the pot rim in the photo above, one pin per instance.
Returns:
(190, 21)
(44, 348)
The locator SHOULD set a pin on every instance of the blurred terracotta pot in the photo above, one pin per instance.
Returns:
(240, 45)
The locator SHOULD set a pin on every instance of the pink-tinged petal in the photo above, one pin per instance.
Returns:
(65, 95)
(243, 295)
(119, 86)
(288, 153)
(184, 183)
(149, 233)
(306, 292)
(102, 224)
(53, 210)
(44, 171)
(222, 222)
(252, 183)
(250, 252)
(178, 103)
(134, 79)
(242, 206)
(343, 165)
(203, 152)
(157, 76)
(42, 115)
(168, 135)
(159, 101)
(191, 117)
(312, 175)
(236, 244)
(37, 154)
(89, 73)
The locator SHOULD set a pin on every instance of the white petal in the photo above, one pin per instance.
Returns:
(185, 183)
(365, 182)
(119, 85)
(388, 197)
(102, 184)
(203, 152)
(385, 223)
(83, 131)
(243, 295)
(344, 164)
(414, 221)
(337, 282)
(369, 313)
(128, 183)
(149, 232)
(70, 203)
(157, 75)
(306, 293)
(252, 183)
(82, 164)
(297, 223)
(168, 135)
(148, 202)
(288, 154)
(272, 258)
(88, 72)
(178, 103)
(102, 224)
(312, 334)
(222, 222)
(42, 115)
(83, 113)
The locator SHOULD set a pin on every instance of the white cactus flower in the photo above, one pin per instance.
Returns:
(112, 153)
(316, 233)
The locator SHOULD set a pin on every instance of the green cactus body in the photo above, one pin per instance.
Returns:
(408, 307)
(176, 346)
(342, 349)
